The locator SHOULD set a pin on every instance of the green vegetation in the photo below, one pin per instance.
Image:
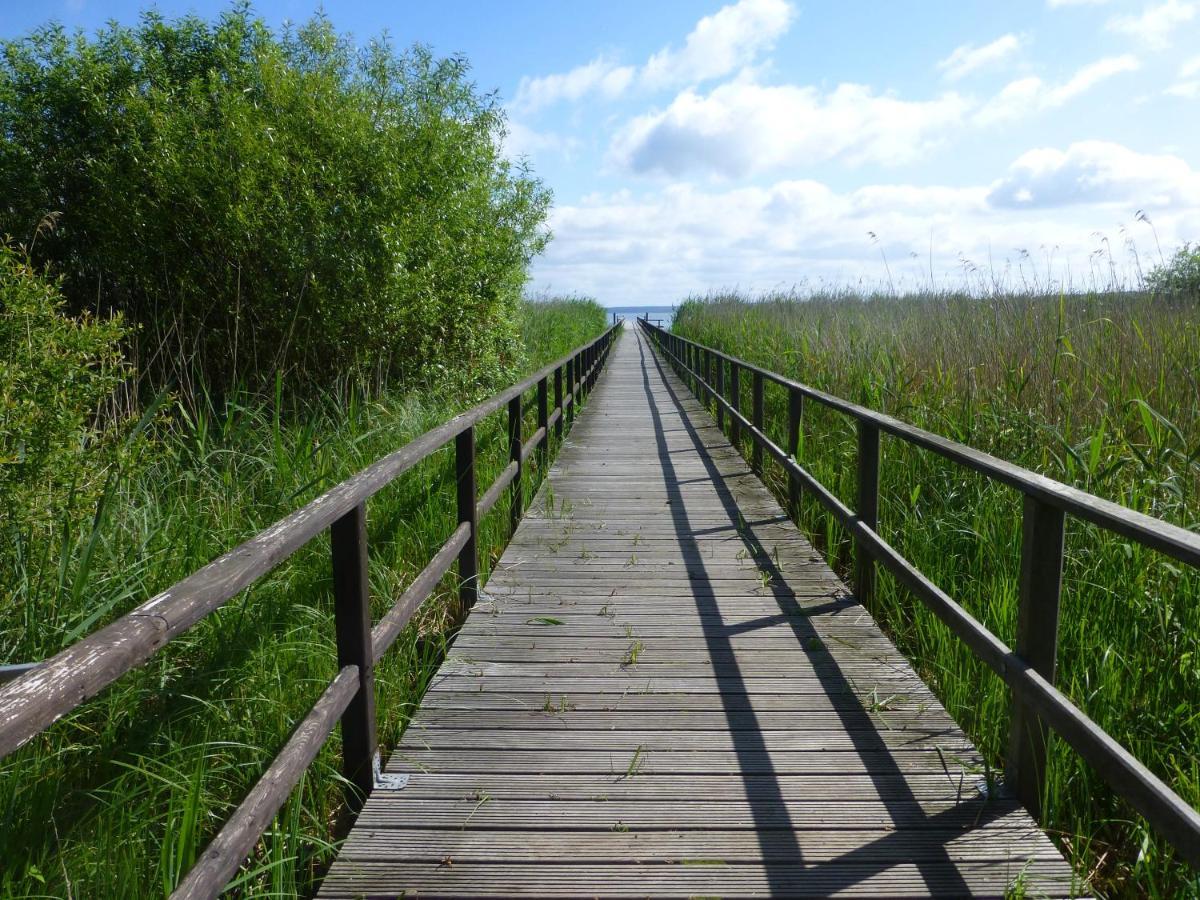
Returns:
(55, 372)
(119, 798)
(261, 202)
(1101, 392)
(1180, 276)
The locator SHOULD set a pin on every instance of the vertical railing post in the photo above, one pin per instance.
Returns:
(571, 386)
(1040, 587)
(867, 508)
(720, 393)
(517, 498)
(558, 402)
(735, 403)
(468, 556)
(543, 420)
(795, 412)
(756, 417)
(352, 626)
(708, 378)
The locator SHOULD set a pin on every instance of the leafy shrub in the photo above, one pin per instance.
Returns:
(1179, 276)
(261, 201)
(58, 443)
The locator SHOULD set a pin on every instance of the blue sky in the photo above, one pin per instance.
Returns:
(767, 144)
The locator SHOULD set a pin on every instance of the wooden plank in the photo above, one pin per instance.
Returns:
(998, 879)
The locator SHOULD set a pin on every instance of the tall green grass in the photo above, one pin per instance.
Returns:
(1099, 391)
(119, 798)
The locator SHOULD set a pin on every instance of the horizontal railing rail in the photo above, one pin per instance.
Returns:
(1029, 668)
(39, 694)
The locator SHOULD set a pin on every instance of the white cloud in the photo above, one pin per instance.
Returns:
(721, 43)
(1188, 90)
(1155, 25)
(731, 38)
(660, 245)
(1027, 95)
(743, 127)
(1190, 67)
(601, 76)
(1096, 172)
(521, 140)
(969, 58)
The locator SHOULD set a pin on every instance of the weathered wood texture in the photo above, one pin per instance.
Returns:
(664, 691)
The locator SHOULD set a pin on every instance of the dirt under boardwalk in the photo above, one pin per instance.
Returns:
(666, 692)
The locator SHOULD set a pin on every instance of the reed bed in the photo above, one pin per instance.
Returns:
(1101, 391)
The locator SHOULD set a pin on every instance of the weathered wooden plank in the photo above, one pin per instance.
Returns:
(998, 879)
(956, 765)
(681, 847)
(686, 788)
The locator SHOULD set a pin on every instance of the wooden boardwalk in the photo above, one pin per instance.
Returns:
(666, 692)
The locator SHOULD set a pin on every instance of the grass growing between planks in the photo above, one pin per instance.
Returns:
(118, 799)
(1099, 391)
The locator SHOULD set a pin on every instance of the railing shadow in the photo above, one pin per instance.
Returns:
(769, 809)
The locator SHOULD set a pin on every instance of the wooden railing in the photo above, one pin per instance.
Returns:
(40, 695)
(1029, 667)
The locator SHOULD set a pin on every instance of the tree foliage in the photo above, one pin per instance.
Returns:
(1179, 276)
(56, 373)
(257, 200)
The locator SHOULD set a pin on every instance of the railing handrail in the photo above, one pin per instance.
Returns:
(35, 699)
(1029, 670)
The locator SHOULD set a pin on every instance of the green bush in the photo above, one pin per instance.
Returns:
(261, 200)
(59, 436)
(1179, 276)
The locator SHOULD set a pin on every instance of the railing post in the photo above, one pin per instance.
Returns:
(352, 627)
(721, 393)
(571, 387)
(795, 411)
(468, 556)
(756, 416)
(735, 403)
(517, 500)
(558, 402)
(867, 508)
(706, 368)
(1042, 532)
(543, 420)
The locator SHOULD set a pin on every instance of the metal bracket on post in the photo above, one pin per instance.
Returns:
(387, 781)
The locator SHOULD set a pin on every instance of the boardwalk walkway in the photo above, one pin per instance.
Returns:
(666, 692)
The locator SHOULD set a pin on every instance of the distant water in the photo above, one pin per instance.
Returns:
(663, 313)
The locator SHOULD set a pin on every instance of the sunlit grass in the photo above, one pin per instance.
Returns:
(1099, 391)
(118, 799)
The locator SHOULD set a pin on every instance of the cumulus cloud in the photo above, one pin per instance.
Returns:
(742, 127)
(1027, 95)
(1155, 25)
(600, 76)
(1095, 172)
(720, 44)
(968, 58)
